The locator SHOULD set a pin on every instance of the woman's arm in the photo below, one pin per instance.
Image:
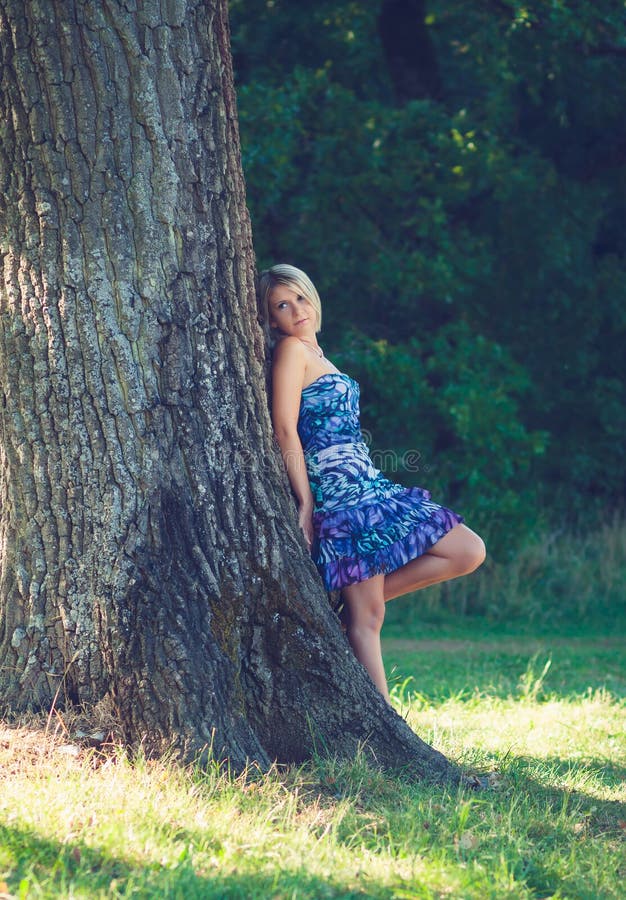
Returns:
(287, 379)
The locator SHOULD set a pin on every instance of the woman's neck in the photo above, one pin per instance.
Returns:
(313, 346)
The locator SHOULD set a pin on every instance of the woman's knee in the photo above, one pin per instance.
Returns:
(471, 554)
(365, 610)
(368, 615)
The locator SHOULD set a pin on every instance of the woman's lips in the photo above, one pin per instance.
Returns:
(301, 321)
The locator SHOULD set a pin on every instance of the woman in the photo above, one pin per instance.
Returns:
(370, 538)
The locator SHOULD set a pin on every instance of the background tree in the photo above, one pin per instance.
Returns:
(475, 278)
(151, 556)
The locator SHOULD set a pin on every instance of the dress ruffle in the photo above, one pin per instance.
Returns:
(355, 543)
(364, 524)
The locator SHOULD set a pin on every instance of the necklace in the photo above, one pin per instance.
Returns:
(317, 350)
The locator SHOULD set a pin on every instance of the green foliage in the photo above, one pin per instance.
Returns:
(443, 412)
(478, 235)
(559, 579)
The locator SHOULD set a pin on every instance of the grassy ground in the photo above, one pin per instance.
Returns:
(544, 714)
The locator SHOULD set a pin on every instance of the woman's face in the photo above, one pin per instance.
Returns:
(291, 312)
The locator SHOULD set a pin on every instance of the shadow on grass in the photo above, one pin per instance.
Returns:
(608, 773)
(591, 775)
(550, 807)
(535, 806)
(577, 818)
(543, 667)
(38, 866)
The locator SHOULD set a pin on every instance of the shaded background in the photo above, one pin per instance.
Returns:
(452, 176)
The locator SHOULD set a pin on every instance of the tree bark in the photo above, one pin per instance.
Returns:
(150, 553)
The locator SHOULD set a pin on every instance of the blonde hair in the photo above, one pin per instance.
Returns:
(293, 278)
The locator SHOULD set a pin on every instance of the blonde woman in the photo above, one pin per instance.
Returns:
(370, 538)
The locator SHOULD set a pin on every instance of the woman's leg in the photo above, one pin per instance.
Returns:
(365, 612)
(458, 552)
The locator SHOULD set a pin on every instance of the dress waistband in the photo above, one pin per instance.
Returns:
(325, 455)
(341, 475)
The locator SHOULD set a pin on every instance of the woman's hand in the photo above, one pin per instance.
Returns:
(305, 521)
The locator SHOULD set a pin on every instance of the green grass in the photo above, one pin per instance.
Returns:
(82, 823)
(445, 663)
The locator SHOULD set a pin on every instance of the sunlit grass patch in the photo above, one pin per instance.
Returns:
(79, 822)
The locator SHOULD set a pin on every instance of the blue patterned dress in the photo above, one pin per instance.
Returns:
(363, 523)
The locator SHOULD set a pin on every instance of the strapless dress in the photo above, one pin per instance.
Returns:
(364, 524)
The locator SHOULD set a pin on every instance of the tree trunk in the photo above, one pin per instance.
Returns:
(150, 552)
(409, 50)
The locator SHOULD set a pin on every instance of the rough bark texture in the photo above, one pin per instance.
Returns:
(149, 548)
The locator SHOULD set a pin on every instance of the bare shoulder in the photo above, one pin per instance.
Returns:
(288, 370)
(289, 356)
(289, 348)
